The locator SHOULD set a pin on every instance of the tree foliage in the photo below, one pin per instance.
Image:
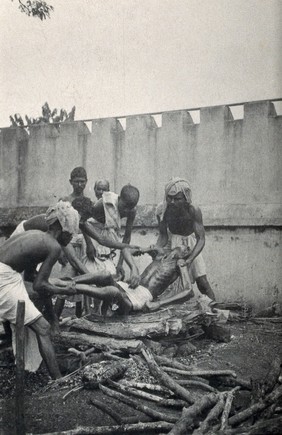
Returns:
(49, 116)
(35, 8)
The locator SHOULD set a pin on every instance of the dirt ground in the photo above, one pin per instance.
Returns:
(250, 351)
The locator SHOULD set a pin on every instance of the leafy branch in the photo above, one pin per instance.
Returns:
(35, 8)
(49, 116)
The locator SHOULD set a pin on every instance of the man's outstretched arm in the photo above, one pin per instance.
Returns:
(90, 231)
(134, 272)
(126, 239)
(41, 282)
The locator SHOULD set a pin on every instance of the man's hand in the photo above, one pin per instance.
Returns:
(66, 287)
(183, 263)
(153, 250)
(153, 306)
(71, 289)
(134, 279)
(120, 273)
(90, 251)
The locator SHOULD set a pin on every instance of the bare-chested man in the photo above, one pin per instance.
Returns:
(181, 224)
(31, 248)
(26, 251)
(100, 187)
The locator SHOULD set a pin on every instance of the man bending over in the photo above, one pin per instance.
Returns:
(25, 251)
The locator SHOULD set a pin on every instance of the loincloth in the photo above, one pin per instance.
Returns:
(12, 289)
(19, 229)
(138, 296)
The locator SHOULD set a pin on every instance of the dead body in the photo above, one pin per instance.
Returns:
(163, 270)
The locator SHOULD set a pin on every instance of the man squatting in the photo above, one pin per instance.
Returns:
(181, 224)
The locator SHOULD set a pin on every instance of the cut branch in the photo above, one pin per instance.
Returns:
(147, 396)
(165, 379)
(189, 414)
(153, 427)
(207, 373)
(257, 407)
(227, 408)
(212, 416)
(137, 405)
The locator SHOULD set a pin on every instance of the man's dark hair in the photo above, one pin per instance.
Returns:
(84, 206)
(79, 172)
(130, 194)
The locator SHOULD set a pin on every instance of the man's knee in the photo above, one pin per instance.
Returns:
(41, 327)
(112, 292)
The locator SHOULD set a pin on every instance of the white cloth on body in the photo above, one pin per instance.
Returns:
(138, 296)
(19, 229)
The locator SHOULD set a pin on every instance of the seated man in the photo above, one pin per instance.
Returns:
(145, 288)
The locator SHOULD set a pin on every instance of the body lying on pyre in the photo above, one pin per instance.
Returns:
(142, 290)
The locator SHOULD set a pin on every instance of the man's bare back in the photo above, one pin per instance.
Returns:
(28, 249)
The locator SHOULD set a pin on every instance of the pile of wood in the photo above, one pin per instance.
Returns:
(129, 333)
(180, 400)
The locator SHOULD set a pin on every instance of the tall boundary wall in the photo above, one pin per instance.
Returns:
(234, 167)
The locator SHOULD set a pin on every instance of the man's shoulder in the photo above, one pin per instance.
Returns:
(44, 238)
(194, 207)
(195, 211)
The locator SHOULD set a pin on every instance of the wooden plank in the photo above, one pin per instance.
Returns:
(20, 336)
(72, 339)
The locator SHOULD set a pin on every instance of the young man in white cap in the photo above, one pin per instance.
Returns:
(181, 224)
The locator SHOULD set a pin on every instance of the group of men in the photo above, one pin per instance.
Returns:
(84, 237)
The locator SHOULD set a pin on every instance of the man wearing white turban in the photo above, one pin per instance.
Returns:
(23, 251)
(181, 224)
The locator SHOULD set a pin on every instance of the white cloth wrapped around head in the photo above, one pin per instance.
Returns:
(173, 187)
(65, 214)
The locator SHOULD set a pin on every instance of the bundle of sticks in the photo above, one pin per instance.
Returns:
(189, 401)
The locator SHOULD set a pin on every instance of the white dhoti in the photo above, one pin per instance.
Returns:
(138, 296)
(12, 289)
(105, 258)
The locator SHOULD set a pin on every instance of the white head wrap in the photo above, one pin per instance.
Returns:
(65, 214)
(173, 187)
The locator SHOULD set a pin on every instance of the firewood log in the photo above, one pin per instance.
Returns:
(212, 416)
(165, 379)
(200, 372)
(227, 408)
(257, 407)
(150, 387)
(189, 414)
(153, 427)
(272, 376)
(196, 384)
(137, 405)
(147, 396)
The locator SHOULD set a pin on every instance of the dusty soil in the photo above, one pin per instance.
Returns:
(249, 353)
